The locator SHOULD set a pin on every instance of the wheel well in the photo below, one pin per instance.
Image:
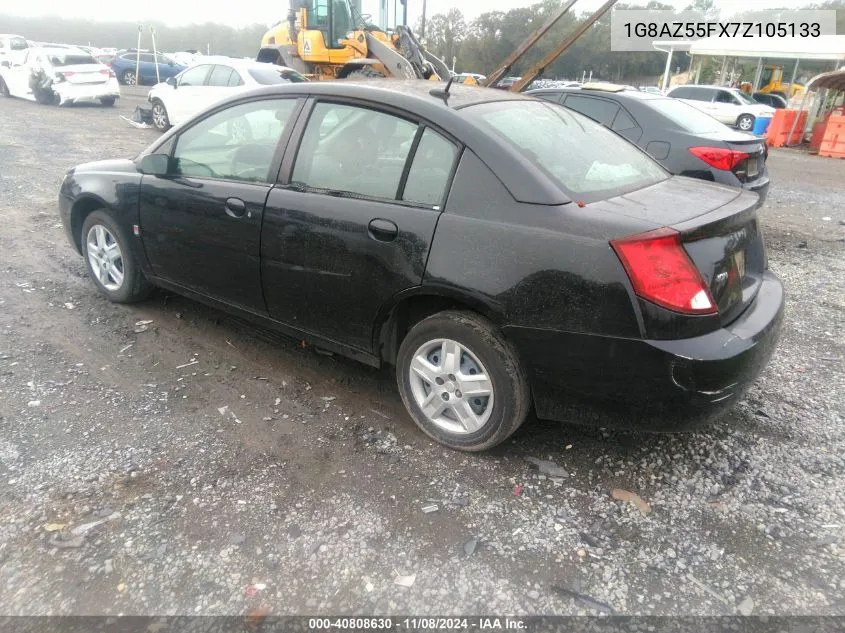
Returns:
(407, 313)
(81, 210)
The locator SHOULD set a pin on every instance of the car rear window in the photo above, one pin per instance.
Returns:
(70, 59)
(584, 158)
(270, 76)
(686, 116)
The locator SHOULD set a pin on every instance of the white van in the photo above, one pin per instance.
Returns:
(12, 48)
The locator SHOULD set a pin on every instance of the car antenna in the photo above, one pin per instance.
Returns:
(443, 94)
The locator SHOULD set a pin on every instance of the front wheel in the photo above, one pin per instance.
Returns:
(108, 101)
(109, 260)
(160, 117)
(745, 122)
(129, 77)
(461, 381)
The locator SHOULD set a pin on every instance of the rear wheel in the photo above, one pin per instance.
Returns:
(109, 260)
(745, 122)
(160, 118)
(129, 77)
(461, 381)
(108, 101)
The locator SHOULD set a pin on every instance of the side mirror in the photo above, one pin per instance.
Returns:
(154, 165)
(171, 81)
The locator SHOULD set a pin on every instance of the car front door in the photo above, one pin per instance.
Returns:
(201, 223)
(353, 225)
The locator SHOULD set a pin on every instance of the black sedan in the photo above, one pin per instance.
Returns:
(769, 99)
(499, 251)
(685, 140)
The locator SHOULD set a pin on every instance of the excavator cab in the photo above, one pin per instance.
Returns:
(327, 39)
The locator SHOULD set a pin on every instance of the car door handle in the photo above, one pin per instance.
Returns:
(235, 207)
(383, 230)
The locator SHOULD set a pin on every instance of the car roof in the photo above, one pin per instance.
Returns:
(617, 95)
(235, 61)
(60, 50)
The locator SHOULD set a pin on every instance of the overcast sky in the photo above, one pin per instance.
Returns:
(246, 12)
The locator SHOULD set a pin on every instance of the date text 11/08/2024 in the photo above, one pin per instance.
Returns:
(416, 624)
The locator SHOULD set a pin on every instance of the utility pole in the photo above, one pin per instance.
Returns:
(422, 24)
(404, 12)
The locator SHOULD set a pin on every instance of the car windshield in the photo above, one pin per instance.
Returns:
(57, 58)
(687, 117)
(584, 158)
(17, 44)
(270, 76)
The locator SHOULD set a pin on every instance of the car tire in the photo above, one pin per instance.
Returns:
(108, 101)
(109, 260)
(4, 89)
(129, 78)
(484, 361)
(745, 122)
(365, 73)
(161, 120)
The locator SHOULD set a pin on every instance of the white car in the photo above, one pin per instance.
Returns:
(12, 48)
(728, 105)
(196, 88)
(59, 75)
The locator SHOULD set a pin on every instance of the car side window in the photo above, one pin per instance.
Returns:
(430, 169)
(219, 76)
(235, 79)
(237, 143)
(723, 96)
(599, 110)
(623, 121)
(353, 149)
(194, 76)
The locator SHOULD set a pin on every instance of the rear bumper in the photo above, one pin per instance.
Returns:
(760, 186)
(69, 92)
(647, 384)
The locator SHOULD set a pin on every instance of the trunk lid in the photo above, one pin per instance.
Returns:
(746, 170)
(84, 73)
(719, 230)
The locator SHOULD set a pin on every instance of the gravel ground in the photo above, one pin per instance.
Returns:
(196, 464)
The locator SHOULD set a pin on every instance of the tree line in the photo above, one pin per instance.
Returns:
(479, 45)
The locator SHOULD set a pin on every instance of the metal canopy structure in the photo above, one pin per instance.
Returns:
(832, 81)
(826, 81)
(823, 48)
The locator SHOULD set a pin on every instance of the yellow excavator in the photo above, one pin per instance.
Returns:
(771, 81)
(327, 39)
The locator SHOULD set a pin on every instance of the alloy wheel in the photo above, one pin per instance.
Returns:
(105, 258)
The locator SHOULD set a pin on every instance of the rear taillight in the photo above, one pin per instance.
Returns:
(68, 73)
(661, 272)
(719, 157)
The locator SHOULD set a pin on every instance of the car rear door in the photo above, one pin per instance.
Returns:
(187, 98)
(725, 107)
(201, 223)
(217, 84)
(352, 223)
